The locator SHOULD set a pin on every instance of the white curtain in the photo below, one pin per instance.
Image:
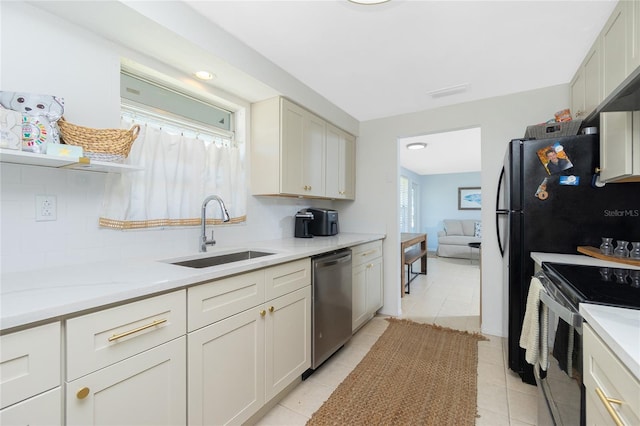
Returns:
(179, 172)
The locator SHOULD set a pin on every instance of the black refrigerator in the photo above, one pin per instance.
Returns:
(549, 200)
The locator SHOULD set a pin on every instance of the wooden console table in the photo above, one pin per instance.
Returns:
(407, 257)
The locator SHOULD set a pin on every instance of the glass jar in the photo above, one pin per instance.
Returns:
(635, 250)
(621, 249)
(606, 247)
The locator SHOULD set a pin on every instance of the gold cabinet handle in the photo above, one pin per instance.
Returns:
(370, 265)
(271, 309)
(607, 404)
(83, 393)
(137, 330)
(263, 313)
(367, 253)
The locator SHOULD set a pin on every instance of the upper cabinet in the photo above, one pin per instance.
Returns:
(620, 146)
(586, 87)
(296, 153)
(605, 72)
(341, 166)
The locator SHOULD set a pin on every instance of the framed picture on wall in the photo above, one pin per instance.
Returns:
(469, 198)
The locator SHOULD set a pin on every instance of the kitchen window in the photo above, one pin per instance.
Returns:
(189, 147)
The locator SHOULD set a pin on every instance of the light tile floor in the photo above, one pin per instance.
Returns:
(448, 295)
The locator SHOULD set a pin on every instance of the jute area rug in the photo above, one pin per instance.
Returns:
(415, 374)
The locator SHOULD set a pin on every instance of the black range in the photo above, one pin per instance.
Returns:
(595, 284)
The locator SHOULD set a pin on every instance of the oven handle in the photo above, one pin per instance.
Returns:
(572, 318)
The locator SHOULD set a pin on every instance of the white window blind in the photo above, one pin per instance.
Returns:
(404, 204)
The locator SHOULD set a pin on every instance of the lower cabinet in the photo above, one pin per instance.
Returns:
(612, 392)
(41, 410)
(146, 389)
(367, 282)
(238, 363)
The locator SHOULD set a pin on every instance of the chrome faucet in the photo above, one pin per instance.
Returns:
(225, 218)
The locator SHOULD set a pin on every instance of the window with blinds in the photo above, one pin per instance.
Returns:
(404, 204)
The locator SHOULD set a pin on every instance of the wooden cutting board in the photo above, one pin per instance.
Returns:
(595, 252)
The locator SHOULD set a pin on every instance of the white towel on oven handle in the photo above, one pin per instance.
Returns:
(532, 339)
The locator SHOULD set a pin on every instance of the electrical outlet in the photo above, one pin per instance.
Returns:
(45, 208)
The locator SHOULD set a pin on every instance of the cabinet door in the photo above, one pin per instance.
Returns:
(634, 62)
(576, 90)
(340, 170)
(41, 410)
(359, 296)
(292, 173)
(313, 162)
(288, 339)
(374, 285)
(616, 48)
(226, 370)
(147, 389)
(592, 80)
(618, 146)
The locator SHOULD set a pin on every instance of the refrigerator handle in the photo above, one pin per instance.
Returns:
(499, 212)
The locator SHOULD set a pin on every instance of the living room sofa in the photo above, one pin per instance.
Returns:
(454, 239)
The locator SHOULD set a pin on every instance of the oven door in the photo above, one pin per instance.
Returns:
(560, 383)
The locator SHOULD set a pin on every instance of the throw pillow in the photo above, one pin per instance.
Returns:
(478, 230)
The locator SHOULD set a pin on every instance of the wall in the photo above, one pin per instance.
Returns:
(439, 195)
(501, 119)
(57, 57)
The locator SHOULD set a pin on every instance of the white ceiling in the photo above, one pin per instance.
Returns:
(457, 151)
(385, 60)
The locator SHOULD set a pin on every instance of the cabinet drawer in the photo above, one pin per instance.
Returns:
(29, 363)
(603, 370)
(211, 302)
(41, 410)
(365, 252)
(287, 277)
(105, 337)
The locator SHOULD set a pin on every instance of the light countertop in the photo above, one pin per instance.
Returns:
(619, 328)
(42, 295)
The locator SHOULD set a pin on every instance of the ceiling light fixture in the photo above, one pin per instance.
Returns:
(204, 75)
(417, 145)
(368, 1)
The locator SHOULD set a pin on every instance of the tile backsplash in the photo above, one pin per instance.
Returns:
(74, 237)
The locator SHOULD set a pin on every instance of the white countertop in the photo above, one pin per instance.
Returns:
(49, 294)
(619, 328)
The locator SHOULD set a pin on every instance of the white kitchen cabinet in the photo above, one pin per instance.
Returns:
(287, 149)
(288, 339)
(612, 392)
(290, 156)
(146, 389)
(586, 86)
(238, 363)
(30, 376)
(41, 410)
(619, 44)
(340, 178)
(620, 146)
(367, 283)
(127, 364)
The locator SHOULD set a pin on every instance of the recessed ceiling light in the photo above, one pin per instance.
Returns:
(417, 145)
(368, 1)
(204, 75)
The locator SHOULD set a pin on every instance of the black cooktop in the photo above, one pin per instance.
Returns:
(593, 284)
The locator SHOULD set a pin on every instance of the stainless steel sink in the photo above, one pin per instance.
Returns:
(221, 259)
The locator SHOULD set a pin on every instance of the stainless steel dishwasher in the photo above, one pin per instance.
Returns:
(331, 305)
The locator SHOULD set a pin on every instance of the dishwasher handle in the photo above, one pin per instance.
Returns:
(322, 263)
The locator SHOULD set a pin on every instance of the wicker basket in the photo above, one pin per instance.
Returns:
(99, 144)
